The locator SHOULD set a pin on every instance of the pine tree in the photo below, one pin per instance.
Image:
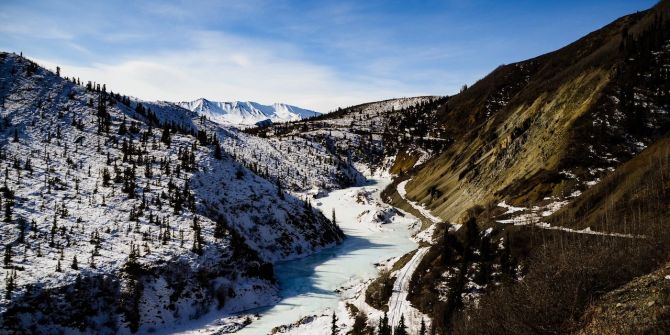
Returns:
(122, 128)
(401, 329)
(9, 281)
(220, 227)
(148, 172)
(106, 177)
(58, 268)
(472, 237)
(422, 330)
(217, 152)
(334, 221)
(486, 255)
(74, 265)
(384, 327)
(334, 329)
(506, 262)
(22, 231)
(165, 136)
(129, 182)
(8, 255)
(197, 236)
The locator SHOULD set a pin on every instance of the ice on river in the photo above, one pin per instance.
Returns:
(308, 285)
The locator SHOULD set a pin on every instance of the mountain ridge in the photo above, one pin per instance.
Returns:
(246, 113)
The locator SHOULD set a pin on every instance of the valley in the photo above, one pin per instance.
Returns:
(535, 201)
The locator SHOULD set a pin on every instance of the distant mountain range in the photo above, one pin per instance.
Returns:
(246, 113)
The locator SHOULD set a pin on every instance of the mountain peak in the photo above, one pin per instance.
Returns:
(246, 113)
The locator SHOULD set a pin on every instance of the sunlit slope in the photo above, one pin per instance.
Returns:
(552, 124)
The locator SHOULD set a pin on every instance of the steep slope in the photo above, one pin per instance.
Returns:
(641, 306)
(246, 113)
(546, 126)
(586, 283)
(631, 200)
(533, 137)
(123, 215)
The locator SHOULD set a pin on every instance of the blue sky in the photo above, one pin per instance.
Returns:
(314, 54)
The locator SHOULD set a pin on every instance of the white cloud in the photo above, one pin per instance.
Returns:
(224, 67)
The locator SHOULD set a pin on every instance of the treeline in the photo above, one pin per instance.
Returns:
(644, 74)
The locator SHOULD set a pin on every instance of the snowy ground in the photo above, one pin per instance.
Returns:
(398, 304)
(521, 216)
(423, 210)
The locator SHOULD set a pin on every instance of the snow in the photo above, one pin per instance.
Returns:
(426, 235)
(246, 113)
(586, 230)
(524, 216)
(398, 304)
(510, 209)
(423, 210)
(299, 162)
(533, 216)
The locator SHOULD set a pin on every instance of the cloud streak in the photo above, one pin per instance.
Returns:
(224, 67)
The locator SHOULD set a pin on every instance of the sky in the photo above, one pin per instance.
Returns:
(313, 54)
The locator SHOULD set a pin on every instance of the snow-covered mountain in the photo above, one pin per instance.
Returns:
(128, 215)
(246, 113)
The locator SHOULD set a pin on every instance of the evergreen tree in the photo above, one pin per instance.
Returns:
(280, 190)
(486, 256)
(106, 177)
(58, 268)
(422, 330)
(9, 281)
(217, 152)
(165, 136)
(148, 172)
(197, 236)
(74, 265)
(384, 327)
(401, 329)
(22, 231)
(220, 227)
(506, 261)
(122, 128)
(472, 237)
(129, 182)
(8, 211)
(8, 255)
(334, 329)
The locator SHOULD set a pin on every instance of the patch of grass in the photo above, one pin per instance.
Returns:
(379, 291)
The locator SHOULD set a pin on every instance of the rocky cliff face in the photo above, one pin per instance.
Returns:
(549, 125)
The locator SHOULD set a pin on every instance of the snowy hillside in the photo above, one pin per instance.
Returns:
(122, 215)
(368, 139)
(246, 113)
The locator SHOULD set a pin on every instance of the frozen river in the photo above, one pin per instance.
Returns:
(307, 286)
